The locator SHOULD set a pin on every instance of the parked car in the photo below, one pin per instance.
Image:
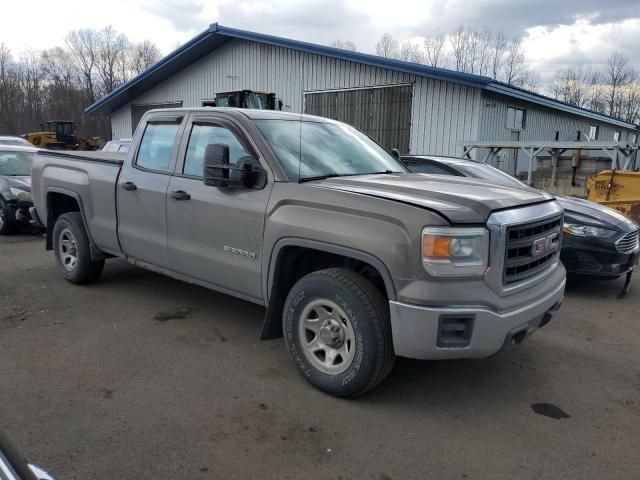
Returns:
(15, 141)
(598, 240)
(13, 465)
(356, 259)
(15, 187)
(121, 145)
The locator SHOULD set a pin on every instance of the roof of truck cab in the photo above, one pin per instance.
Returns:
(252, 114)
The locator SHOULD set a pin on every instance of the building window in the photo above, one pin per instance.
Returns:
(516, 118)
(616, 136)
(594, 131)
(634, 139)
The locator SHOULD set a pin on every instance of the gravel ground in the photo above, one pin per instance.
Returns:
(140, 376)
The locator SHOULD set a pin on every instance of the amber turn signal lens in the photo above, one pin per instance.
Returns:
(435, 246)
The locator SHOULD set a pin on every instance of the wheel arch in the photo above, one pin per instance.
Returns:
(60, 201)
(280, 278)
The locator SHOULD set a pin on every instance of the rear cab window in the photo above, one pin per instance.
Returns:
(156, 146)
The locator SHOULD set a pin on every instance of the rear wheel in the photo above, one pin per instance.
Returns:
(72, 250)
(337, 331)
(7, 221)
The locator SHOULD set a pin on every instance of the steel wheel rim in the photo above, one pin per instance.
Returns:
(68, 250)
(327, 336)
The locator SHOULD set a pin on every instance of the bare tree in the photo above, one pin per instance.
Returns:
(434, 50)
(514, 66)
(482, 54)
(112, 48)
(497, 52)
(618, 74)
(83, 45)
(387, 47)
(344, 45)
(141, 56)
(460, 41)
(410, 52)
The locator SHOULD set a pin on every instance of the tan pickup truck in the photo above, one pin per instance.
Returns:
(355, 259)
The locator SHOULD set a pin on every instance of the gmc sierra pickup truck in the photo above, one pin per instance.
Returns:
(356, 260)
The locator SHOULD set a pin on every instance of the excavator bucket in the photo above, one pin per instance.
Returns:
(619, 190)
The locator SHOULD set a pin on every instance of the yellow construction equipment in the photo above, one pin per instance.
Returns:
(618, 189)
(60, 135)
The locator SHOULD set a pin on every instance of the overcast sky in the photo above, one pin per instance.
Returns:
(555, 32)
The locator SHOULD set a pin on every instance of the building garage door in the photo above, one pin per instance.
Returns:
(383, 113)
(137, 111)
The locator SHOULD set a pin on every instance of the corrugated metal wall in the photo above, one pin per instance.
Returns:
(541, 124)
(443, 114)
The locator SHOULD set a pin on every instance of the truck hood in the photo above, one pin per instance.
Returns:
(460, 200)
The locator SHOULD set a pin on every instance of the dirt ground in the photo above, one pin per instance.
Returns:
(143, 377)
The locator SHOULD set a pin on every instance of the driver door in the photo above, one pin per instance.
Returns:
(215, 233)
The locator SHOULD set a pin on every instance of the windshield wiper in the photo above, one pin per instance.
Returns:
(333, 175)
(321, 177)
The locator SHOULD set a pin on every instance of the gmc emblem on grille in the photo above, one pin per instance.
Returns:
(545, 245)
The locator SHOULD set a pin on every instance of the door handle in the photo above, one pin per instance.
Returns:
(180, 195)
(129, 186)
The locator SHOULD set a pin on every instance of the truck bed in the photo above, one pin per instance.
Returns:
(91, 178)
(116, 158)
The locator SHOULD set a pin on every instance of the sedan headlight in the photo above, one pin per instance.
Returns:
(21, 195)
(455, 252)
(580, 230)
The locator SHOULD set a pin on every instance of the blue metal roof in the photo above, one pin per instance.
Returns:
(216, 35)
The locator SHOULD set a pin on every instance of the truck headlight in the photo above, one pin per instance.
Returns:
(455, 252)
(21, 195)
(587, 231)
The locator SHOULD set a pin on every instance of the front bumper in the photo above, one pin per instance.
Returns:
(597, 262)
(466, 332)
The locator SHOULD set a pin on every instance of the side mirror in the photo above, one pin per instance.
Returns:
(396, 153)
(219, 173)
(216, 165)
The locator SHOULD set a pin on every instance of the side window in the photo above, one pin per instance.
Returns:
(156, 146)
(203, 135)
(516, 118)
(427, 168)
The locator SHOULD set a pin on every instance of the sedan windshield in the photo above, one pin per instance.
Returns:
(312, 150)
(15, 163)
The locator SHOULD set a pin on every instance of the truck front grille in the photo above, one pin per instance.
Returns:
(628, 243)
(530, 248)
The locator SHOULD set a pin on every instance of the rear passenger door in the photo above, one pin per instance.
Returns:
(215, 234)
(142, 192)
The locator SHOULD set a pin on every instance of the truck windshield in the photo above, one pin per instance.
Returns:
(15, 164)
(314, 150)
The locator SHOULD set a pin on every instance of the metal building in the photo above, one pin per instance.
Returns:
(415, 108)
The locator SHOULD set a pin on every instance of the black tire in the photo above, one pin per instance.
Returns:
(7, 220)
(83, 270)
(367, 312)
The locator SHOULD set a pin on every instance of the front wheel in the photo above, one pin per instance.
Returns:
(72, 250)
(337, 331)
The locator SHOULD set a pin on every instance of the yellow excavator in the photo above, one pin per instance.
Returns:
(60, 135)
(617, 189)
